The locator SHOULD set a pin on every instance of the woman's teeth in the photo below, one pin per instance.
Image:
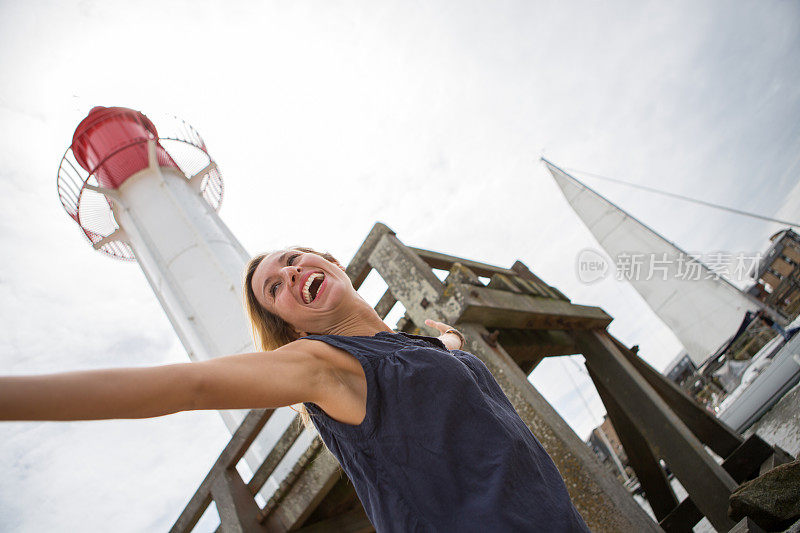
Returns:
(307, 298)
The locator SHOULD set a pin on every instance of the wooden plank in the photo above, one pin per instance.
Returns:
(275, 455)
(310, 480)
(523, 272)
(742, 464)
(529, 287)
(746, 525)
(707, 483)
(529, 347)
(462, 274)
(709, 429)
(354, 521)
(502, 309)
(405, 324)
(682, 519)
(241, 440)
(358, 268)
(778, 458)
(410, 279)
(340, 499)
(444, 262)
(502, 282)
(648, 470)
(238, 511)
(385, 304)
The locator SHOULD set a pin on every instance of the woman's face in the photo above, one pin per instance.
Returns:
(302, 288)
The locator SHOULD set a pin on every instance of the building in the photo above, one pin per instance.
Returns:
(605, 443)
(777, 275)
(682, 371)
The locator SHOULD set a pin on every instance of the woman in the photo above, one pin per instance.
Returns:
(422, 429)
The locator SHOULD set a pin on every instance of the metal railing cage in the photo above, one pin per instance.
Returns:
(91, 209)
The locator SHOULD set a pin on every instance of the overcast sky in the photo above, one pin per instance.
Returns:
(327, 116)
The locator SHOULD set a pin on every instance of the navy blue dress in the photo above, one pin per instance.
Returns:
(441, 447)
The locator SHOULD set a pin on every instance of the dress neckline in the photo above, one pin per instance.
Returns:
(410, 336)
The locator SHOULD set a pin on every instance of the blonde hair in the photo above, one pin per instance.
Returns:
(270, 331)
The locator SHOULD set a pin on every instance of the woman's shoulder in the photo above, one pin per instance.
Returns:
(346, 398)
(326, 352)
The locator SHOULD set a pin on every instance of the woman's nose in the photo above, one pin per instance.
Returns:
(292, 273)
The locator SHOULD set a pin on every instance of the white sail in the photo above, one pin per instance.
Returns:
(702, 308)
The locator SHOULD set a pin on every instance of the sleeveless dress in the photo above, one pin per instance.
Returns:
(441, 448)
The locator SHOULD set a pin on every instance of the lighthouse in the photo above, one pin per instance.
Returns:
(149, 192)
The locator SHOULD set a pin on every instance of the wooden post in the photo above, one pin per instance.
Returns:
(238, 511)
(709, 429)
(707, 483)
(241, 440)
(648, 470)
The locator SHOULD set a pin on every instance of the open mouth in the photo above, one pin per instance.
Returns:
(311, 287)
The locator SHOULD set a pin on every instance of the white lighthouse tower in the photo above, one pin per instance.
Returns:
(151, 195)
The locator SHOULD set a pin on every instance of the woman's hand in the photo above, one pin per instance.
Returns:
(450, 336)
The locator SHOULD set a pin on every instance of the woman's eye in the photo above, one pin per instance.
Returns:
(291, 258)
(273, 289)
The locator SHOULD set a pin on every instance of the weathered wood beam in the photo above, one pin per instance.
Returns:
(444, 262)
(354, 521)
(407, 275)
(528, 287)
(241, 440)
(358, 268)
(651, 476)
(524, 273)
(406, 325)
(682, 519)
(529, 347)
(462, 274)
(340, 499)
(503, 309)
(385, 304)
(275, 455)
(502, 282)
(746, 525)
(778, 457)
(742, 464)
(709, 429)
(238, 511)
(707, 483)
(312, 477)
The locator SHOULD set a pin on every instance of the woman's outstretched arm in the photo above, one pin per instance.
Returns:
(288, 375)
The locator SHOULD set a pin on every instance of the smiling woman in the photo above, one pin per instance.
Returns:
(422, 429)
(270, 331)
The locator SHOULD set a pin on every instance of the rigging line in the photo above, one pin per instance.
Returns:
(577, 366)
(578, 390)
(686, 198)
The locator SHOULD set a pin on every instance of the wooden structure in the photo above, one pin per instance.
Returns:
(511, 322)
